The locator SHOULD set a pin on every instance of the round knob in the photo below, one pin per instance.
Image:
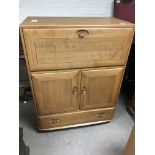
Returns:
(84, 91)
(54, 121)
(75, 91)
(100, 115)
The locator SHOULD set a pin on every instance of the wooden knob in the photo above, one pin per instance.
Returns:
(54, 121)
(75, 91)
(100, 115)
(84, 91)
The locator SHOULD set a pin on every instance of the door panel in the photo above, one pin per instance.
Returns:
(100, 87)
(76, 48)
(56, 92)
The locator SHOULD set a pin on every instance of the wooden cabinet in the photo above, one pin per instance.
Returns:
(75, 67)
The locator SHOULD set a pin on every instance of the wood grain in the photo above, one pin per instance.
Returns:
(54, 91)
(102, 87)
(28, 69)
(62, 49)
(60, 120)
(46, 22)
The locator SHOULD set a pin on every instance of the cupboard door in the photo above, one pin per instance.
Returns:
(100, 87)
(56, 92)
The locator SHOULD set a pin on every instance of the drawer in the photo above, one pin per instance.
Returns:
(76, 47)
(68, 119)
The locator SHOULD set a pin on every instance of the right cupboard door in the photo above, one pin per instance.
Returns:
(100, 87)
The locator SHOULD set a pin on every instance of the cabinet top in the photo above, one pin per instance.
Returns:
(44, 22)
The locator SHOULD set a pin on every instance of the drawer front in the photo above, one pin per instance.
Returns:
(76, 48)
(61, 120)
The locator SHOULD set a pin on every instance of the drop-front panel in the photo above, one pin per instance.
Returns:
(76, 48)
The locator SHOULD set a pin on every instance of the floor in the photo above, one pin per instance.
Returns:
(103, 139)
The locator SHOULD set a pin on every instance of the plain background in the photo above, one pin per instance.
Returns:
(65, 8)
(145, 77)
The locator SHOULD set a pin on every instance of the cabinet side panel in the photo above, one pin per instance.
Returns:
(28, 69)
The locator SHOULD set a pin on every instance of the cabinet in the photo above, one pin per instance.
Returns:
(75, 67)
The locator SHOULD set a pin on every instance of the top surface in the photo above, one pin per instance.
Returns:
(41, 22)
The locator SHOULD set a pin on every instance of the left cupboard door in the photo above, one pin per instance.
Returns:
(56, 92)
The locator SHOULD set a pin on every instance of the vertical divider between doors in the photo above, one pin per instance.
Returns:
(80, 82)
(84, 83)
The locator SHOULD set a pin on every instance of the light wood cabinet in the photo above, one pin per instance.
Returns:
(75, 66)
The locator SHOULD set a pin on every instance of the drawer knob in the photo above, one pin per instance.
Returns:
(84, 91)
(100, 115)
(82, 33)
(54, 121)
(75, 91)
